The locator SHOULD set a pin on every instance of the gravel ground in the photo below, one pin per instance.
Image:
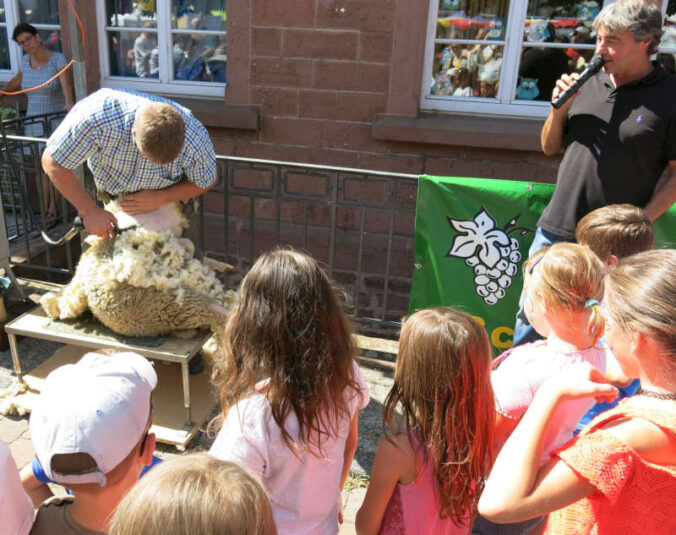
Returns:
(34, 352)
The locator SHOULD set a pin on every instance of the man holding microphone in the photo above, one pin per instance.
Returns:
(617, 133)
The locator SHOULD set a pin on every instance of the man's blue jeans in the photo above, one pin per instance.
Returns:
(523, 332)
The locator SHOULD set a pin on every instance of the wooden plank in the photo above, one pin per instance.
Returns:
(377, 344)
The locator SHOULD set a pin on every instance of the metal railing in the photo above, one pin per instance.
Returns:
(358, 223)
(30, 201)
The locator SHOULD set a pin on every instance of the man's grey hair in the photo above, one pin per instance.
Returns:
(642, 18)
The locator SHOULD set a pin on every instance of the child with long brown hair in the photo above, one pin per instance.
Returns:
(290, 390)
(428, 472)
(563, 286)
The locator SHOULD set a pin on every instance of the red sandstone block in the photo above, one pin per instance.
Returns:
(350, 136)
(266, 41)
(538, 158)
(360, 107)
(351, 76)
(514, 171)
(375, 46)
(276, 101)
(320, 104)
(281, 72)
(374, 15)
(494, 155)
(426, 150)
(224, 147)
(393, 163)
(305, 132)
(293, 13)
(238, 205)
(260, 178)
(375, 190)
(320, 44)
(286, 153)
(212, 202)
(316, 184)
(404, 225)
(473, 168)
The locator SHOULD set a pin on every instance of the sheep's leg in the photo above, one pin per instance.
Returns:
(72, 301)
(50, 304)
(185, 334)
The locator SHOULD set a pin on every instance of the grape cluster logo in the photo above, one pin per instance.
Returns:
(497, 259)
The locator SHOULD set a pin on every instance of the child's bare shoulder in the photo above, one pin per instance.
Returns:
(650, 441)
(397, 452)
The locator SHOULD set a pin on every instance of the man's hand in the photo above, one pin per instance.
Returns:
(100, 222)
(142, 201)
(551, 137)
(562, 84)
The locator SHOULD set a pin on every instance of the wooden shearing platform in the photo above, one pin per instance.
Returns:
(174, 422)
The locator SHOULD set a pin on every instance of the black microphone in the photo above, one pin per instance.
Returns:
(590, 70)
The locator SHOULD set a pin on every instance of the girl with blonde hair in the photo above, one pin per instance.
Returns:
(428, 471)
(563, 285)
(191, 494)
(619, 474)
(290, 390)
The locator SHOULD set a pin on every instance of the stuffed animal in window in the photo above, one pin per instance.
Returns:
(527, 89)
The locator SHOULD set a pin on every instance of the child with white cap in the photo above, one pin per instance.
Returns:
(89, 429)
(16, 510)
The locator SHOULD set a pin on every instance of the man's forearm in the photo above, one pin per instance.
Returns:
(663, 197)
(182, 191)
(551, 137)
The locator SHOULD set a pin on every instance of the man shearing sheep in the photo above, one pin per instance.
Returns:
(145, 150)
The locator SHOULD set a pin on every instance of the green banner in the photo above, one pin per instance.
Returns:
(471, 237)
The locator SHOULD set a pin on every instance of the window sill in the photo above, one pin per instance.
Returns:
(216, 114)
(464, 130)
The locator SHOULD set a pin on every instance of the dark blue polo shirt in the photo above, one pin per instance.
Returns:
(618, 142)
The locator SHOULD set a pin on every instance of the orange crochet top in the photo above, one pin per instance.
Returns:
(632, 496)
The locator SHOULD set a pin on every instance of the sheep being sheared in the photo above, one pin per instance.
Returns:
(143, 283)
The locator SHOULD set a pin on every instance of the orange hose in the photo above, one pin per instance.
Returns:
(68, 66)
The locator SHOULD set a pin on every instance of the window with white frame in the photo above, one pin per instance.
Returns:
(504, 56)
(43, 14)
(163, 46)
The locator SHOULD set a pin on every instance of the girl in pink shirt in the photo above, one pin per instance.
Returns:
(428, 472)
(290, 390)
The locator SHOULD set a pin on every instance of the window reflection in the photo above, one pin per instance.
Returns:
(667, 58)
(467, 70)
(199, 58)
(4, 50)
(39, 11)
(123, 13)
(566, 30)
(199, 15)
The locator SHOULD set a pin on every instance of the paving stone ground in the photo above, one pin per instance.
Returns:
(14, 429)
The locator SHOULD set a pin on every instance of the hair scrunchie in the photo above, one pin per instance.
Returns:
(591, 303)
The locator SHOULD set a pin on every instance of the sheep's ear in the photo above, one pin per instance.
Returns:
(188, 245)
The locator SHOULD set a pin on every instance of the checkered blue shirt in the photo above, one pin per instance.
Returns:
(98, 129)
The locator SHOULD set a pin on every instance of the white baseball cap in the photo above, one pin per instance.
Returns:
(99, 405)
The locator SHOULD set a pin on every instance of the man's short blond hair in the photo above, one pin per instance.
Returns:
(617, 229)
(160, 132)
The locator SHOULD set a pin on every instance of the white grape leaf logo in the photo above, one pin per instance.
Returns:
(498, 256)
